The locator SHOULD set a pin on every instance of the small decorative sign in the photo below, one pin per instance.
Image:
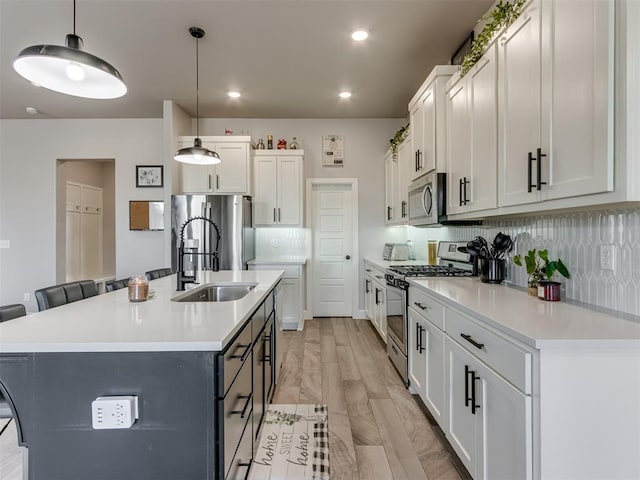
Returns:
(333, 151)
(149, 175)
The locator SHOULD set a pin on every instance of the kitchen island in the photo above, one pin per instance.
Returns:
(201, 372)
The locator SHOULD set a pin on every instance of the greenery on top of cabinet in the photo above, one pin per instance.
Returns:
(398, 138)
(501, 16)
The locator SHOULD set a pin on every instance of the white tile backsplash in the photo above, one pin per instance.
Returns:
(273, 243)
(576, 238)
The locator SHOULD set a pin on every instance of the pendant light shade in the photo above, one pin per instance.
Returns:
(69, 69)
(197, 154)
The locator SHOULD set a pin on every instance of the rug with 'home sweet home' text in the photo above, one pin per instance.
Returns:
(294, 444)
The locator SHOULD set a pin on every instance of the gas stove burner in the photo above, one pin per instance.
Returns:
(429, 271)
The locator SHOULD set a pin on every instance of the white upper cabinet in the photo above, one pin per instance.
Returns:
(472, 123)
(231, 176)
(278, 188)
(427, 117)
(556, 102)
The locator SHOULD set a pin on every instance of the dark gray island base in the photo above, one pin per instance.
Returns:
(199, 412)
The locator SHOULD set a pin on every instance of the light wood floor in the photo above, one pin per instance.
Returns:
(376, 428)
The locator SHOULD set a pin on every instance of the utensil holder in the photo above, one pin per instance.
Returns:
(492, 270)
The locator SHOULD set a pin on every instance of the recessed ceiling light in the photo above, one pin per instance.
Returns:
(32, 110)
(234, 94)
(360, 34)
(345, 94)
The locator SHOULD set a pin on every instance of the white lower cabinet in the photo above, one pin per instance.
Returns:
(290, 293)
(426, 363)
(375, 293)
(476, 384)
(489, 422)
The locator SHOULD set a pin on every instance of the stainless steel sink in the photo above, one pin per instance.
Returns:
(217, 293)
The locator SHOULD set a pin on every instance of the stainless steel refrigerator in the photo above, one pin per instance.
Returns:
(233, 217)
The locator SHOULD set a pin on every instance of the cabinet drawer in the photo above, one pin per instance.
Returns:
(375, 272)
(426, 306)
(241, 464)
(508, 359)
(233, 359)
(237, 408)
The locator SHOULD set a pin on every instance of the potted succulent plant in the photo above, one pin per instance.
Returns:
(541, 271)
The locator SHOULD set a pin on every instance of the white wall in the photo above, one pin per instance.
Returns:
(365, 144)
(29, 150)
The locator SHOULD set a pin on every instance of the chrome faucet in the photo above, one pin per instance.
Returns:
(183, 279)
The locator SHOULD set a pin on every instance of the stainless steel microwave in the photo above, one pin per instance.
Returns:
(427, 199)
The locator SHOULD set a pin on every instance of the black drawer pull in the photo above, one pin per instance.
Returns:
(243, 412)
(467, 371)
(474, 406)
(421, 306)
(238, 347)
(468, 338)
(245, 464)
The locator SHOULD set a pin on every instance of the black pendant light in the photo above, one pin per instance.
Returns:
(69, 69)
(197, 154)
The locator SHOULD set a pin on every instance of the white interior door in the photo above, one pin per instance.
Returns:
(333, 250)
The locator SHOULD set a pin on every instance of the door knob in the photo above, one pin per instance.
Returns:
(348, 257)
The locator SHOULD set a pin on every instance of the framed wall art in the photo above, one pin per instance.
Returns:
(149, 176)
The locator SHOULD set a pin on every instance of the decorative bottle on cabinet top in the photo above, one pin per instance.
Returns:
(294, 144)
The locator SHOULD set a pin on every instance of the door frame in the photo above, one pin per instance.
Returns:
(353, 274)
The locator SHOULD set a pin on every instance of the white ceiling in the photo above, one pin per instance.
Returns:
(289, 58)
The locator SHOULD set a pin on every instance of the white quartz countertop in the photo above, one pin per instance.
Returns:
(287, 260)
(110, 323)
(534, 322)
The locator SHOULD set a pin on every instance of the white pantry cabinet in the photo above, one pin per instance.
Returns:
(84, 231)
(231, 176)
(472, 137)
(555, 70)
(427, 117)
(278, 188)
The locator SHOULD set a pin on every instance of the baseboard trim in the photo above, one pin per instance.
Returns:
(361, 315)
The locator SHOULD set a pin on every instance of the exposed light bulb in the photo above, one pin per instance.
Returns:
(360, 34)
(75, 72)
(234, 94)
(345, 94)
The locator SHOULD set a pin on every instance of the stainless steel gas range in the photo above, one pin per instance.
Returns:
(451, 263)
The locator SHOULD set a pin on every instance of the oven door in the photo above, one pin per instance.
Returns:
(397, 317)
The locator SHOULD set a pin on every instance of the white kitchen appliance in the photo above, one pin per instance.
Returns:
(395, 251)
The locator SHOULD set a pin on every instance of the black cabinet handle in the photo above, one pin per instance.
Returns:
(243, 412)
(274, 215)
(388, 213)
(460, 192)
(404, 208)
(530, 160)
(421, 306)
(467, 399)
(422, 347)
(465, 182)
(468, 338)
(539, 156)
(415, 161)
(366, 286)
(243, 355)
(377, 299)
(247, 465)
(217, 182)
(474, 406)
(418, 337)
(209, 181)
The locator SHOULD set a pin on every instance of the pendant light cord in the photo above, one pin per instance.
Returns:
(197, 92)
(74, 17)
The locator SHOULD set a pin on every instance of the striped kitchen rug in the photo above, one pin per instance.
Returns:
(294, 444)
